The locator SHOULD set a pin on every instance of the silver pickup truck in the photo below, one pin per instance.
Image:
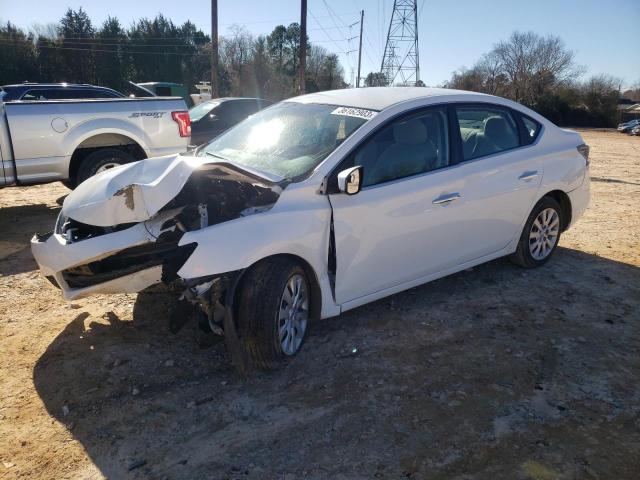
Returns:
(71, 140)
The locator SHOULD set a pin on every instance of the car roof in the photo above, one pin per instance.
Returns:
(226, 99)
(54, 85)
(377, 98)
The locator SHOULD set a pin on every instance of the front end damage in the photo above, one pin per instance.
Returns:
(151, 210)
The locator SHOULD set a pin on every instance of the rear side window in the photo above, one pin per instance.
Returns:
(34, 95)
(486, 130)
(532, 128)
(97, 93)
(249, 107)
(67, 94)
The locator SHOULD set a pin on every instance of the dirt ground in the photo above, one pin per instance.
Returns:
(494, 373)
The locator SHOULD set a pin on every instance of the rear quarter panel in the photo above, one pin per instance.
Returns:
(564, 167)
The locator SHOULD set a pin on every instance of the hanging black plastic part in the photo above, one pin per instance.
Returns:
(232, 341)
(332, 259)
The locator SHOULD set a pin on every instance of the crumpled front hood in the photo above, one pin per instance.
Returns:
(130, 193)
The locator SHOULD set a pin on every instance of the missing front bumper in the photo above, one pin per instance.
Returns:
(131, 260)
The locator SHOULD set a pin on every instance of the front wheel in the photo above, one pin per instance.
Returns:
(540, 235)
(274, 311)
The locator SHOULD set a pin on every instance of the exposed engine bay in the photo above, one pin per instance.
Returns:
(212, 194)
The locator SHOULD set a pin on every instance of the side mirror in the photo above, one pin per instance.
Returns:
(350, 180)
(213, 116)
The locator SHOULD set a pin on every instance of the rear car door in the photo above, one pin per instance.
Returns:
(501, 177)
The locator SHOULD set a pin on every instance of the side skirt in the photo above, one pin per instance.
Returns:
(425, 279)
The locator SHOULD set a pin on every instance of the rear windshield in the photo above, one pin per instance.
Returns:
(199, 111)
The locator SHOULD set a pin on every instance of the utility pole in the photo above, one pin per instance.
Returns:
(303, 47)
(360, 49)
(215, 92)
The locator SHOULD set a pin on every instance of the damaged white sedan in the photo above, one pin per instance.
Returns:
(320, 204)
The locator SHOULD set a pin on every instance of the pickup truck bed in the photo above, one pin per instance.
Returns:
(45, 141)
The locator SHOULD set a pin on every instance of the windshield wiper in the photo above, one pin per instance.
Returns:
(217, 156)
(273, 177)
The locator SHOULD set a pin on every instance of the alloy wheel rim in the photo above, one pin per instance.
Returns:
(293, 314)
(544, 234)
(107, 166)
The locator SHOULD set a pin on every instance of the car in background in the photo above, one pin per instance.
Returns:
(635, 130)
(209, 119)
(55, 91)
(320, 204)
(626, 127)
(70, 140)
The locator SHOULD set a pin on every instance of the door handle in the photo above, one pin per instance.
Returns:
(527, 176)
(449, 197)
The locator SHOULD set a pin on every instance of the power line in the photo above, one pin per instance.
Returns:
(123, 51)
(335, 19)
(333, 16)
(126, 51)
(327, 34)
(128, 44)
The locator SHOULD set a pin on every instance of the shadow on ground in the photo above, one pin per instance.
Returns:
(18, 224)
(496, 372)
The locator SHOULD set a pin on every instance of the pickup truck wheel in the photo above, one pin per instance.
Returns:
(540, 235)
(101, 161)
(274, 311)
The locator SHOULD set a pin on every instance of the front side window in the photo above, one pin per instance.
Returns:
(486, 130)
(289, 139)
(405, 147)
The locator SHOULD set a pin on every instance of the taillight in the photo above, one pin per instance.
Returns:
(184, 122)
(584, 151)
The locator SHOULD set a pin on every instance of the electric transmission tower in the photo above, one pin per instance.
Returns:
(400, 63)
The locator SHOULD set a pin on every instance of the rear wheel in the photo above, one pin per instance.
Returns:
(101, 161)
(274, 311)
(540, 235)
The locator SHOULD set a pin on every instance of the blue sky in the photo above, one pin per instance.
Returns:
(604, 34)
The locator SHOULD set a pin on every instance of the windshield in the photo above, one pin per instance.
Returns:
(289, 139)
(199, 111)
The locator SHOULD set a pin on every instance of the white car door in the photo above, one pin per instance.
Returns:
(501, 179)
(397, 227)
(413, 219)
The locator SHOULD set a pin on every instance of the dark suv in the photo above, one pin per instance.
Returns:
(55, 91)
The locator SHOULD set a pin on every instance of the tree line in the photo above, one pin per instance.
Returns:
(541, 73)
(537, 71)
(74, 50)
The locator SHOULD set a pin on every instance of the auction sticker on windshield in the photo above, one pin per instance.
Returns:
(354, 112)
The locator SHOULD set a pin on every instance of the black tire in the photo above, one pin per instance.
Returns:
(523, 256)
(98, 159)
(259, 305)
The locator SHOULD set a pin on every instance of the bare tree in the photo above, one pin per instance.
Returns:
(533, 64)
